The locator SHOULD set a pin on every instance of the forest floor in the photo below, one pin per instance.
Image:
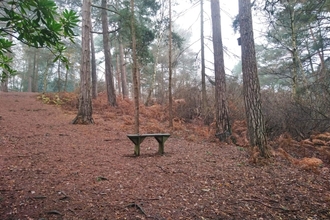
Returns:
(52, 169)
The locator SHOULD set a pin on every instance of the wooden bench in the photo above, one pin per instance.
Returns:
(137, 139)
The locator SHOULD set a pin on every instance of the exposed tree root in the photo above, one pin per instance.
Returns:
(83, 120)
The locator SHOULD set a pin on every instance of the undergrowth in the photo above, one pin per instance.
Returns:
(154, 119)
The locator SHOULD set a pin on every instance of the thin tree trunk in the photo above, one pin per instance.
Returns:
(221, 114)
(297, 66)
(107, 55)
(251, 86)
(94, 75)
(84, 115)
(204, 98)
(66, 79)
(123, 70)
(45, 78)
(4, 85)
(294, 73)
(162, 87)
(118, 74)
(35, 72)
(30, 75)
(59, 76)
(25, 76)
(170, 103)
(135, 72)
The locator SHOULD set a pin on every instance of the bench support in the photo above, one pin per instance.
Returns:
(137, 139)
(161, 141)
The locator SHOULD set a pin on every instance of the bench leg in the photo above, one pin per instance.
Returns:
(137, 140)
(137, 145)
(137, 150)
(161, 142)
(161, 148)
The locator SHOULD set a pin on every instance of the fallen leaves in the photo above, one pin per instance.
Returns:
(87, 172)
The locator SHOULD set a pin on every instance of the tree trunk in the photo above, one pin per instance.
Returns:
(135, 72)
(66, 79)
(4, 85)
(45, 77)
(204, 98)
(223, 130)
(297, 66)
(294, 73)
(94, 76)
(59, 76)
(84, 115)
(107, 55)
(118, 74)
(30, 74)
(170, 103)
(251, 86)
(161, 91)
(35, 71)
(123, 70)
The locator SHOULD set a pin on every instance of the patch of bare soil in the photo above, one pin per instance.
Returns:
(51, 169)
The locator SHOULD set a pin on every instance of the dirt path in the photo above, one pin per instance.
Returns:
(51, 169)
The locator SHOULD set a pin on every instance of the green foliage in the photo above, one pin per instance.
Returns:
(5, 60)
(297, 38)
(35, 23)
(145, 27)
(177, 40)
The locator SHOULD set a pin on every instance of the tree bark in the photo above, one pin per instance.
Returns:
(123, 70)
(4, 85)
(170, 103)
(204, 98)
(35, 71)
(161, 90)
(107, 55)
(118, 74)
(251, 86)
(84, 115)
(66, 80)
(135, 72)
(59, 76)
(30, 74)
(45, 77)
(94, 75)
(223, 130)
